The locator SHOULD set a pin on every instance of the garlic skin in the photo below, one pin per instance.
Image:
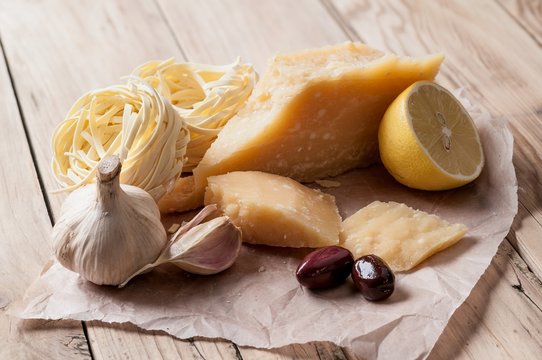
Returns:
(208, 248)
(107, 231)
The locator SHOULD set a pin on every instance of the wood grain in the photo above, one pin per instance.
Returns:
(222, 30)
(70, 48)
(493, 78)
(528, 13)
(258, 30)
(315, 350)
(89, 44)
(486, 326)
(525, 237)
(504, 83)
(24, 244)
(131, 342)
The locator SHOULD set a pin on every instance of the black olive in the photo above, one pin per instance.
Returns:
(373, 277)
(325, 267)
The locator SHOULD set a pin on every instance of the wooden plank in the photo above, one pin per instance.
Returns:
(90, 44)
(525, 237)
(528, 13)
(506, 85)
(487, 325)
(219, 32)
(24, 240)
(97, 71)
(315, 350)
(135, 343)
(503, 82)
(70, 48)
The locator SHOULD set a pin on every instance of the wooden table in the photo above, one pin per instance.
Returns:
(54, 51)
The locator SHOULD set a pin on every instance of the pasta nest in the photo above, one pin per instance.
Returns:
(205, 96)
(133, 121)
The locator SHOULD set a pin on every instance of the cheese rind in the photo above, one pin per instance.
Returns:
(275, 210)
(400, 235)
(314, 114)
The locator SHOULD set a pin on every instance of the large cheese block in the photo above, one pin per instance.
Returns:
(314, 114)
(400, 235)
(275, 210)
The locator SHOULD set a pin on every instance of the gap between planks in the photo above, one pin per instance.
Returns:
(354, 35)
(62, 337)
(26, 133)
(527, 14)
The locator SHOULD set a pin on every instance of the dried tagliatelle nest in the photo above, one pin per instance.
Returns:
(205, 96)
(132, 121)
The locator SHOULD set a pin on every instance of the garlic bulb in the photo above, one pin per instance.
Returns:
(106, 231)
(200, 248)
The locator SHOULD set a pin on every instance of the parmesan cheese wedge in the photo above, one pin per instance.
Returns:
(314, 114)
(400, 235)
(275, 210)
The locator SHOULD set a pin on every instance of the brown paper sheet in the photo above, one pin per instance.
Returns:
(258, 302)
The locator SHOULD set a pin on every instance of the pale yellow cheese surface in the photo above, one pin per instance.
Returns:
(183, 194)
(314, 114)
(275, 210)
(400, 235)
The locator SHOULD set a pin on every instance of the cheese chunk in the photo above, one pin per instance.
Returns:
(400, 235)
(275, 210)
(314, 114)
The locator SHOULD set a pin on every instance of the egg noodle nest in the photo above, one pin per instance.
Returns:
(160, 123)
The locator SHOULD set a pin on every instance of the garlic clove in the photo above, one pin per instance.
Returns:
(171, 249)
(196, 220)
(208, 248)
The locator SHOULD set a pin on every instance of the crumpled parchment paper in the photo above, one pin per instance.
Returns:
(259, 303)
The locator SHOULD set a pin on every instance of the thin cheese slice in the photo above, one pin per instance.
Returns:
(400, 235)
(314, 114)
(275, 210)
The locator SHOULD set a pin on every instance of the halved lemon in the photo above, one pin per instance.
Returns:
(428, 140)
